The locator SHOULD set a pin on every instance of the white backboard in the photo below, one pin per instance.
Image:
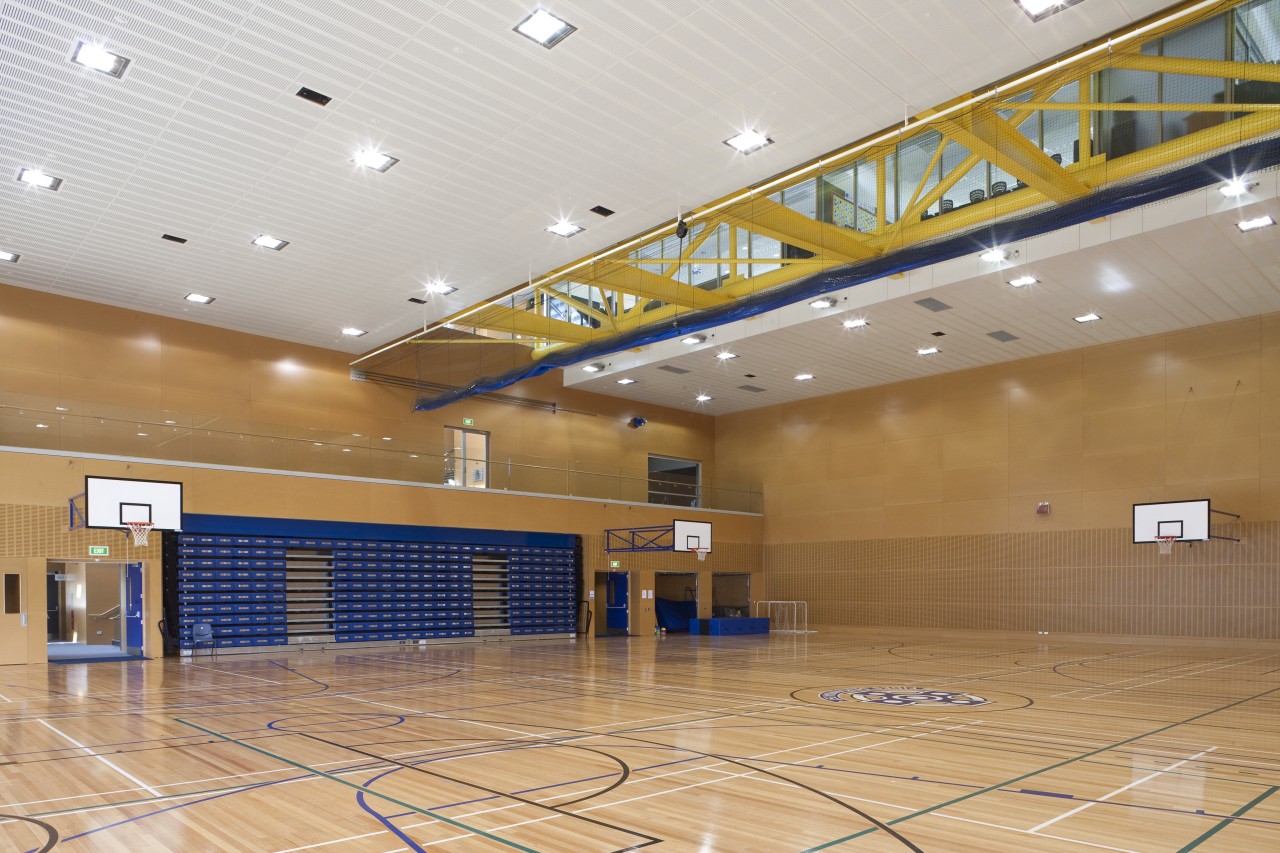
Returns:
(1187, 520)
(692, 534)
(113, 501)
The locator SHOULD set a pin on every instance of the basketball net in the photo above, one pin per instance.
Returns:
(701, 552)
(140, 530)
(1166, 544)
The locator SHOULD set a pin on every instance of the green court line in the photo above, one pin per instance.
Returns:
(1015, 779)
(366, 790)
(1223, 824)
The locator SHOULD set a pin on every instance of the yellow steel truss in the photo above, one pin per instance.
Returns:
(644, 282)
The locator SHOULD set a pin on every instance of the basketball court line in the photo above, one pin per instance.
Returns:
(134, 779)
(1135, 783)
(1173, 678)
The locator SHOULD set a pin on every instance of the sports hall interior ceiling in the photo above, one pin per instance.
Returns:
(203, 138)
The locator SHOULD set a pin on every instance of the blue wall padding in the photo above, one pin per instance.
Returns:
(674, 615)
(1104, 202)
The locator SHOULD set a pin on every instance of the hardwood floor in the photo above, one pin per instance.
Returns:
(681, 743)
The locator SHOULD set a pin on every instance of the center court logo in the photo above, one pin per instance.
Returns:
(902, 696)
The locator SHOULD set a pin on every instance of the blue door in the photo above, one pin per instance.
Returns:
(133, 609)
(616, 615)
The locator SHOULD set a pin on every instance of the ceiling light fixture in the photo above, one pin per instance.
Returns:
(353, 332)
(1024, 281)
(99, 58)
(564, 228)
(626, 381)
(1254, 224)
(824, 302)
(928, 351)
(1038, 10)
(198, 298)
(266, 241)
(994, 255)
(1087, 318)
(9, 257)
(386, 438)
(60, 409)
(545, 28)
(855, 323)
(594, 367)
(42, 426)
(375, 160)
(704, 398)
(1235, 188)
(725, 355)
(37, 178)
(748, 141)
(694, 339)
(440, 288)
(803, 377)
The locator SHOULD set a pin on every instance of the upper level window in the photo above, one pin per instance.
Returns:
(677, 482)
(466, 458)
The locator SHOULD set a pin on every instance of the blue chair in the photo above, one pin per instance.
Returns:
(202, 632)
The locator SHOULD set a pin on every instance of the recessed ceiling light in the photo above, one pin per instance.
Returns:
(36, 178)
(544, 28)
(1234, 188)
(824, 302)
(803, 377)
(595, 367)
(1254, 224)
(1087, 318)
(386, 438)
(266, 241)
(413, 456)
(694, 339)
(626, 381)
(99, 59)
(353, 332)
(142, 435)
(42, 426)
(565, 229)
(375, 160)
(928, 351)
(855, 323)
(10, 257)
(198, 297)
(1023, 281)
(725, 355)
(346, 450)
(994, 255)
(748, 141)
(1038, 10)
(704, 398)
(441, 288)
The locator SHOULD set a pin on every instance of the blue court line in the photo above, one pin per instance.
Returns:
(1016, 779)
(1227, 822)
(380, 796)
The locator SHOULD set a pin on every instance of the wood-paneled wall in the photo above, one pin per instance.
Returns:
(914, 505)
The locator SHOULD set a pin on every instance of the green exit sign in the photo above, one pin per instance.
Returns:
(99, 551)
(615, 564)
(468, 421)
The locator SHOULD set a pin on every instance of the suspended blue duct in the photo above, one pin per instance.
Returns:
(1239, 162)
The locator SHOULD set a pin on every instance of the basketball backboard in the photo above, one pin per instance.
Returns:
(1187, 520)
(691, 535)
(115, 501)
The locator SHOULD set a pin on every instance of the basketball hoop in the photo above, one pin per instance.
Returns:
(1166, 544)
(701, 552)
(140, 530)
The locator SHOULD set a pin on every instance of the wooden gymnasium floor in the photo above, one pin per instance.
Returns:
(682, 744)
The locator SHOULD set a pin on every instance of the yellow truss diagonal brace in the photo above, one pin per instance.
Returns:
(983, 132)
(648, 285)
(1198, 67)
(778, 222)
(578, 304)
